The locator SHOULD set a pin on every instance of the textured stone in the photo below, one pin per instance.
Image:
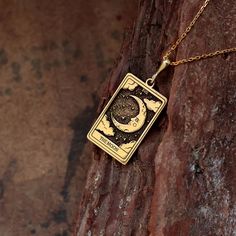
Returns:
(181, 181)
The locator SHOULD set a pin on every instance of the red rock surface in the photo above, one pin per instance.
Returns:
(181, 181)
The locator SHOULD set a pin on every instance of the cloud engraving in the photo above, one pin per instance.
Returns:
(130, 85)
(105, 127)
(152, 105)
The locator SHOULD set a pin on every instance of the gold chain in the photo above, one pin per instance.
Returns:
(183, 36)
(166, 61)
(203, 56)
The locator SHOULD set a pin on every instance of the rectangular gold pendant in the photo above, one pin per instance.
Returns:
(127, 118)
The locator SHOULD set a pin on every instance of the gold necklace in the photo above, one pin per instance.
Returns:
(166, 61)
(135, 106)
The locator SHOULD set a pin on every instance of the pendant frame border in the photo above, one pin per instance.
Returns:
(104, 147)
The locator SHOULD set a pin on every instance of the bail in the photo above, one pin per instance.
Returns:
(164, 64)
(151, 81)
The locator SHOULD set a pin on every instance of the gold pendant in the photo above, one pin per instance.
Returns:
(127, 118)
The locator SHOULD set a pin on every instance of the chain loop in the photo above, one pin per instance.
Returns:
(204, 56)
(183, 36)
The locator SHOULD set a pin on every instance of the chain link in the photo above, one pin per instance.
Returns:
(183, 36)
(197, 58)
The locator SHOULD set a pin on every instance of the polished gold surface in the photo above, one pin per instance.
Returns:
(126, 119)
(151, 81)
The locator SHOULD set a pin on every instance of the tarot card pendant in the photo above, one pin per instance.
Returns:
(127, 118)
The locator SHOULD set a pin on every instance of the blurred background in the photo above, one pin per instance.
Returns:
(55, 57)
